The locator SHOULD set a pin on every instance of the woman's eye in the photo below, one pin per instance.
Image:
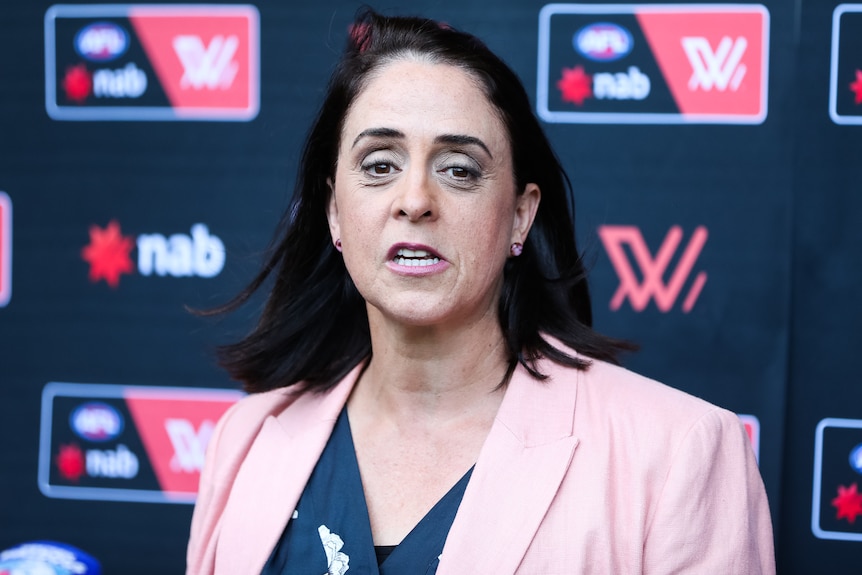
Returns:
(379, 169)
(459, 172)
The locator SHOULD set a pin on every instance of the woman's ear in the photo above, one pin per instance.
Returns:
(526, 206)
(332, 212)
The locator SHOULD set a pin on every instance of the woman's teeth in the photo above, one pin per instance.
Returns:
(415, 258)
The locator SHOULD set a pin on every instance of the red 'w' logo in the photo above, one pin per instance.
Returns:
(653, 269)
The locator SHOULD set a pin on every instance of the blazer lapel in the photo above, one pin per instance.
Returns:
(271, 480)
(522, 463)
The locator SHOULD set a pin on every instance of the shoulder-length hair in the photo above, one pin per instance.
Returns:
(314, 327)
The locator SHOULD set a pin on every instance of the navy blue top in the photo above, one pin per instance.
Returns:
(330, 532)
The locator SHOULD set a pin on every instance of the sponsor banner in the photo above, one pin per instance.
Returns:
(654, 280)
(653, 63)
(152, 62)
(752, 428)
(126, 443)
(109, 254)
(836, 504)
(845, 77)
(5, 249)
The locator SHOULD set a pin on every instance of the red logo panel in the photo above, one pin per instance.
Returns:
(175, 428)
(201, 58)
(713, 62)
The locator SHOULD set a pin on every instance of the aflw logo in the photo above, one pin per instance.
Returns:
(721, 68)
(189, 445)
(208, 67)
(653, 286)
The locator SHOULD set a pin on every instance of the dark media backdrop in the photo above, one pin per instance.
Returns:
(773, 333)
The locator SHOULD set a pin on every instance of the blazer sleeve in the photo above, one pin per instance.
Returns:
(712, 515)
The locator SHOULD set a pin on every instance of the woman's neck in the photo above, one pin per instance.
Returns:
(431, 374)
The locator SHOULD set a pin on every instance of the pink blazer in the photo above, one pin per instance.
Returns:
(597, 472)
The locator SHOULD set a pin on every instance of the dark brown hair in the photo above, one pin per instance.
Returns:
(314, 327)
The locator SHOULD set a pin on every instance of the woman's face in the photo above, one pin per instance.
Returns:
(424, 199)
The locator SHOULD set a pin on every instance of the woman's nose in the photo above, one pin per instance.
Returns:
(416, 198)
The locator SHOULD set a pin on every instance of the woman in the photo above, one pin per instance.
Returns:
(425, 383)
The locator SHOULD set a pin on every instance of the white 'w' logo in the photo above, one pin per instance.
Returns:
(721, 68)
(207, 67)
(189, 445)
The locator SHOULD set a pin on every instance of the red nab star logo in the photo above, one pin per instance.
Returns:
(848, 503)
(77, 83)
(70, 462)
(108, 254)
(575, 85)
(856, 87)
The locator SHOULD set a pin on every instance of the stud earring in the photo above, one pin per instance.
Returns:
(338, 244)
(516, 249)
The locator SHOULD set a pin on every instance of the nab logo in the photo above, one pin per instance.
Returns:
(72, 463)
(654, 269)
(5, 249)
(199, 254)
(126, 82)
(576, 86)
(119, 463)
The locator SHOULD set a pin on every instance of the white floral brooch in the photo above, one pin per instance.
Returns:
(337, 562)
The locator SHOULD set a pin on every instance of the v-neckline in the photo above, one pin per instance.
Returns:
(425, 530)
(332, 512)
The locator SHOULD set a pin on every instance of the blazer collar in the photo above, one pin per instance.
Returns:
(268, 485)
(502, 507)
(522, 463)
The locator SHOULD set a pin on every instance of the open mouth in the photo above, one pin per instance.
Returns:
(415, 258)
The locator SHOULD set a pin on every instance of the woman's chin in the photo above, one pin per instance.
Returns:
(415, 317)
(424, 315)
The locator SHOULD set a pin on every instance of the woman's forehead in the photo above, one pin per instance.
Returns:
(417, 97)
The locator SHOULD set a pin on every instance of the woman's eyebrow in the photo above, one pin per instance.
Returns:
(457, 139)
(462, 140)
(377, 133)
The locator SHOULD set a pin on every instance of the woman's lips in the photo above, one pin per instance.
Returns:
(415, 259)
